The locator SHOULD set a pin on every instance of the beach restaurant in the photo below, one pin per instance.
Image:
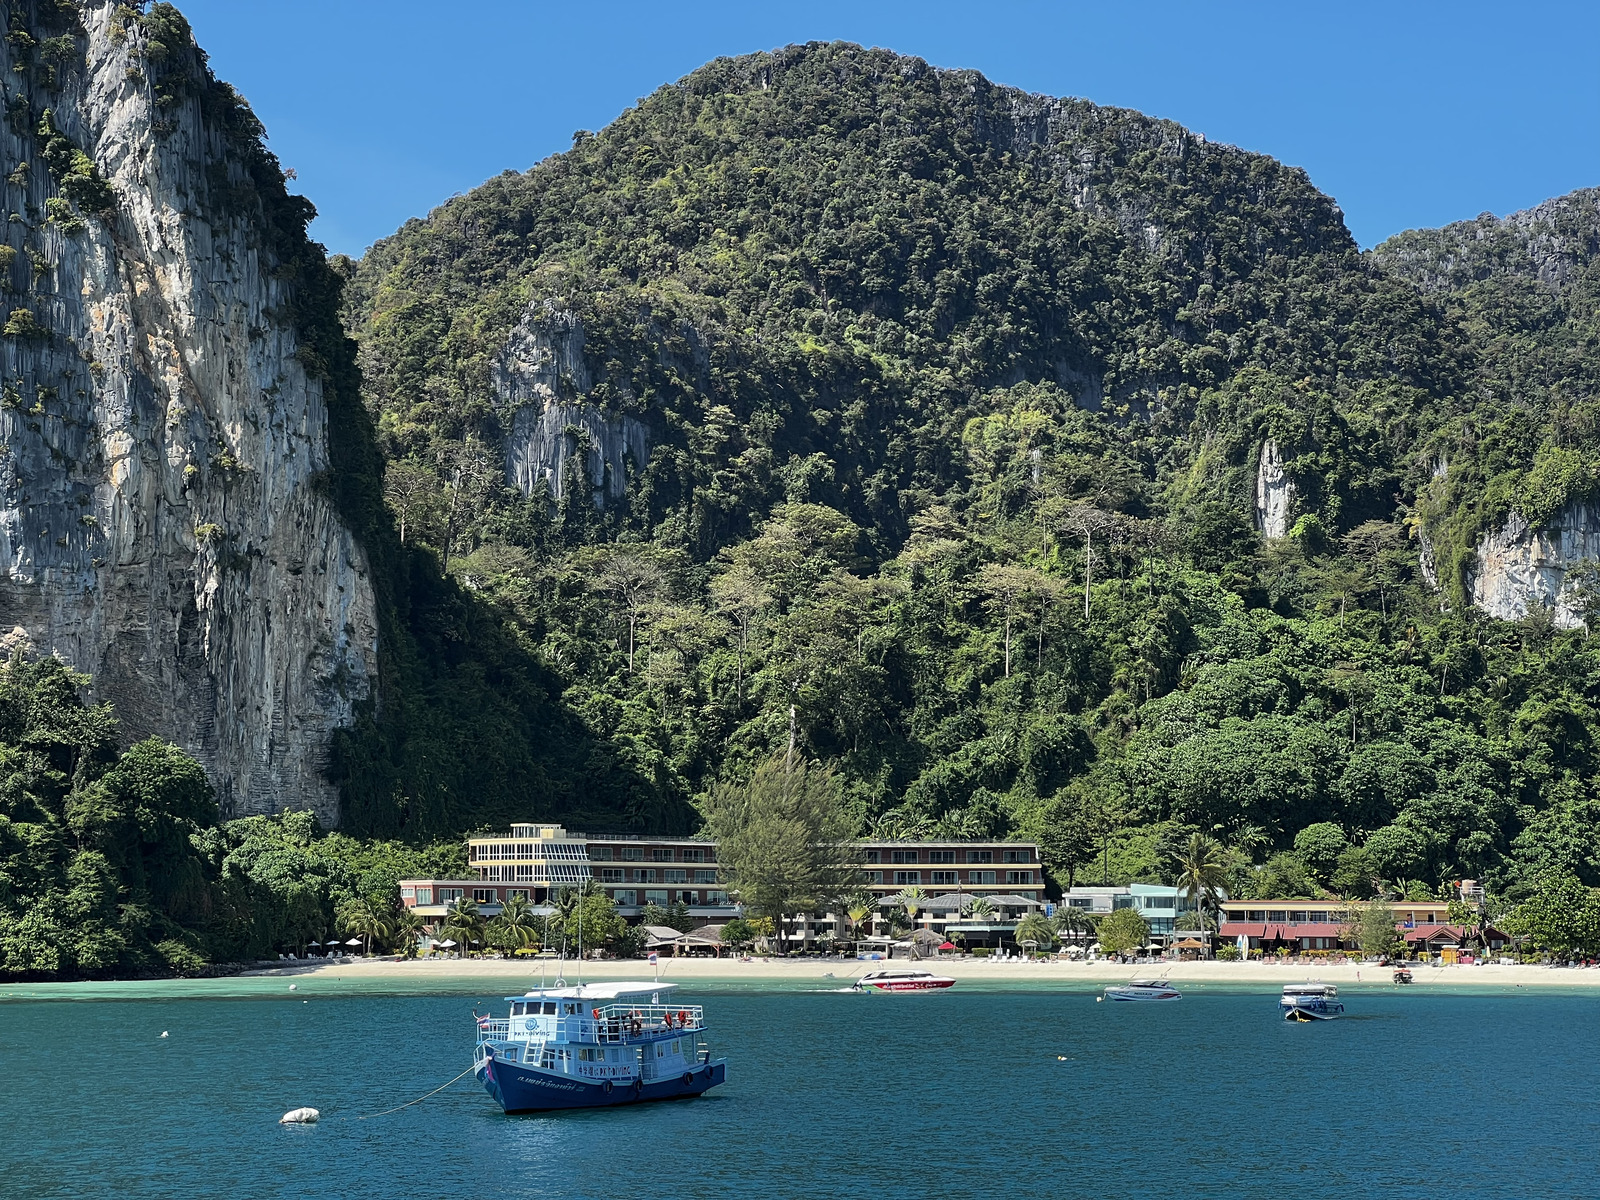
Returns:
(1295, 925)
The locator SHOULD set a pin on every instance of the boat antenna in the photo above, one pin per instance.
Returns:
(580, 935)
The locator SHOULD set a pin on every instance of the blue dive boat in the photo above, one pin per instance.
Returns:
(595, 1045)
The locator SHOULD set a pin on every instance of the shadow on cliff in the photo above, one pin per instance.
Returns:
(466, 729)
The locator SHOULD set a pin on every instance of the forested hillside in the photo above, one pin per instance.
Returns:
(827, 396)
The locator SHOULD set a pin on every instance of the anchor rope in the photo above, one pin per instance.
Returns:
(419, 1099)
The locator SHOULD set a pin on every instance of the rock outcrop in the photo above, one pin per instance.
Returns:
(1518, 569)
(162, 523)
(1274, 492)
(540, 381)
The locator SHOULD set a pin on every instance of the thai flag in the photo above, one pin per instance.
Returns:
(653, 958)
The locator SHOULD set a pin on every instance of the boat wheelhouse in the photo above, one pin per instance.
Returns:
(594, 1045)
(1144, 989)
(903, 981)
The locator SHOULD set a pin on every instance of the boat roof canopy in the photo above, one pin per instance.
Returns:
(596, 991)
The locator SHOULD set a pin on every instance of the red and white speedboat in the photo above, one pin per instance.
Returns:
(903, 981)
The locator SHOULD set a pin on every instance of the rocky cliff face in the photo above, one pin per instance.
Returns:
(1518, 569)
(161, 521)
(1274, 492)
(540, 381)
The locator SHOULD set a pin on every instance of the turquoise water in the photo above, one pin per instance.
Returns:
(980, 1092)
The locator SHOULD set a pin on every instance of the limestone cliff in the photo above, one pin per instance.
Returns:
(1274, 492)
(540, 382)
(1518, 569)
(164, 429)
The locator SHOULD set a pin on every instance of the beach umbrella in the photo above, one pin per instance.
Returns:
(948, 946)
(353, 942)
(447, 942)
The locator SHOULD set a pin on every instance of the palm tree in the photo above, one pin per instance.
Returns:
(978, 906)
(365, 921)
(858, 907)
(1202, 870)
(1074, 923)
(465, 925)
(517, 921)
(911, 899)
(407, 929)
(1036, 928)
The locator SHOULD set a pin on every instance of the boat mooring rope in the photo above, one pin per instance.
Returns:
(419, 1099)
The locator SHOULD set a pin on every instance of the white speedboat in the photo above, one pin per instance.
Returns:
(902, 981)
(1310, 1002)
(1144, 989)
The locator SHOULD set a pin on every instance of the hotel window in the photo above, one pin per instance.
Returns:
(1019, 876)
(872, 856)
(661, 854)
(631, 854)
(705, 876)
(946, 876)
(716, 897)
(904, 856)
(656, 898)
(610, 874)
(942, 856)
(980, 876)
(408, 893)
(1155, 901)
(1256, 914)
(1297, 918)
(645, 875)
(1084, 902)
(873, 876)
(675, 876)
(908, 876)
(1016, 856)
(1277, 914)
(980, 856)
(424, 895)
(694, 856)
(446, 895)
(483, 895)
(600, 853)
(625, 897)
(685, 898)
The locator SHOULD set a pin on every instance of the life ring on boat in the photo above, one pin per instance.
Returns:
(606, 1087)
(638, 1087)
(683, 1018)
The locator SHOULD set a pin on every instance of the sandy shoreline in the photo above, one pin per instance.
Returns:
(1268, 976)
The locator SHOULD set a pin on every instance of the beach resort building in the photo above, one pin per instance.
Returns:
(1159, 906)
(1291, 926)
(638, 870)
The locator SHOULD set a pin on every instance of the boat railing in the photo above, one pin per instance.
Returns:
(618, 1024)
(491, 1030)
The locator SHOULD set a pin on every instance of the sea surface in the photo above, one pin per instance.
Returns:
(982, 1091)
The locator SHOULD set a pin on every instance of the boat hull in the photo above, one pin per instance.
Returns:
(930, 986)
(519, 1089)
(1113, 994)
(1300, 1012)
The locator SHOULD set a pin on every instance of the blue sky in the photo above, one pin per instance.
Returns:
(1408, 114)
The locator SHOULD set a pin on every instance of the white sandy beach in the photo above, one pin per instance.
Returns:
(1267, 976)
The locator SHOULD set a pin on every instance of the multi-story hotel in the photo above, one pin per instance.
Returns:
(1270, 926)
(639, 870)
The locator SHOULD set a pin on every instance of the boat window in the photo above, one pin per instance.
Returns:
(518, 1008)
(550, 1008)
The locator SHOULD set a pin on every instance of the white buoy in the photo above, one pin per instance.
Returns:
(163, 1033)
(294, 987)
(300, 1116)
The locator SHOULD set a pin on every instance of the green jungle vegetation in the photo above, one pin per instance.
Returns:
(954, 400)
